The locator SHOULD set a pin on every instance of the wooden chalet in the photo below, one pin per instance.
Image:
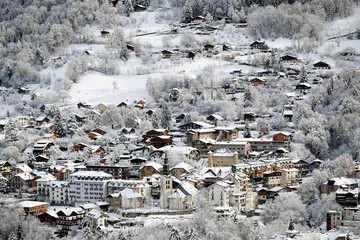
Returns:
(104, 33)
(259, 45)
(167, 54)
(130, 47)
(321, 65)
(257, 82)
(155, 133)
(79, 147)
(289, 59)
(199, 19)
(139, 8)
(250, 116)
(208, 47)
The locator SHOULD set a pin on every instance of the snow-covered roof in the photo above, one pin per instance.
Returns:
(46, 178)
(128, 193)
(203, 124)
(217, 116)
(96, 214)
(90, 174)
(42, 144)
(185, 166)
(181, 149)
(88, 206)
(341, 181)
(25, 176)
(157, 166)
(24, 168)
(30, 204)
(60, 184)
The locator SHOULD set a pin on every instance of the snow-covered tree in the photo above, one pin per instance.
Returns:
(247, 132)
(72, 125)
(58, 124)
(188, 12)
(165, 120)
(128, 8)
(11, 131)
(303, 75)
(155, 120)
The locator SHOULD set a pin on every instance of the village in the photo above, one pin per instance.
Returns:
(227, 126)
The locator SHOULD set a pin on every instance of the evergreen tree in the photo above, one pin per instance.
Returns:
(188, 12)
(247, 133)
(174, 235)
(58, 125)
(128, 8)
(197, 8)
(155, 121)
(165, 116)
(303, 75)
(247, 95)
(11, 133)
(190, 234)
(72, 126)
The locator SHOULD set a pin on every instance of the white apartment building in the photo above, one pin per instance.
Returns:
(59, 193)
(88, 186)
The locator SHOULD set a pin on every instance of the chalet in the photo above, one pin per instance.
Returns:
(125, 199)
(180, 118)
(96, 220)
(150, 169)
(301, 166)
(191, 55)
(79, 147)
(137, 162)
(104, 33)
(226, 47)
(79, 119)
(199, 19)
(181, 168)
(89, 52)
(3, 123)
(139, 8)
(23, 181)
(94, 135)
(348, 198)
(188, 152)
(41, 158)
(315, 164)
(130, 47)
(160, 141)
(279, 153)
(42, 120)
(127, 130)
(175, 94)
(141, 102)
(23, 90)
(93, 115)
(257, 82)
(203, 145)
(70, 216)
(83, 105)
(259, 45)
(249, 117)
(321, 65)
(99, 130)
(167, 54)
(123, 104)
(4, 168)
(335, 184)
(155, 133)
(100, 107)
(150, 112)
(208, 47)
(303, 87)
(56, 59)
(195, 125)
(128, 139)
(289, 59)
(42, 147)
(96, 150)
(215, 119)
(243, 25)
(50, 136)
